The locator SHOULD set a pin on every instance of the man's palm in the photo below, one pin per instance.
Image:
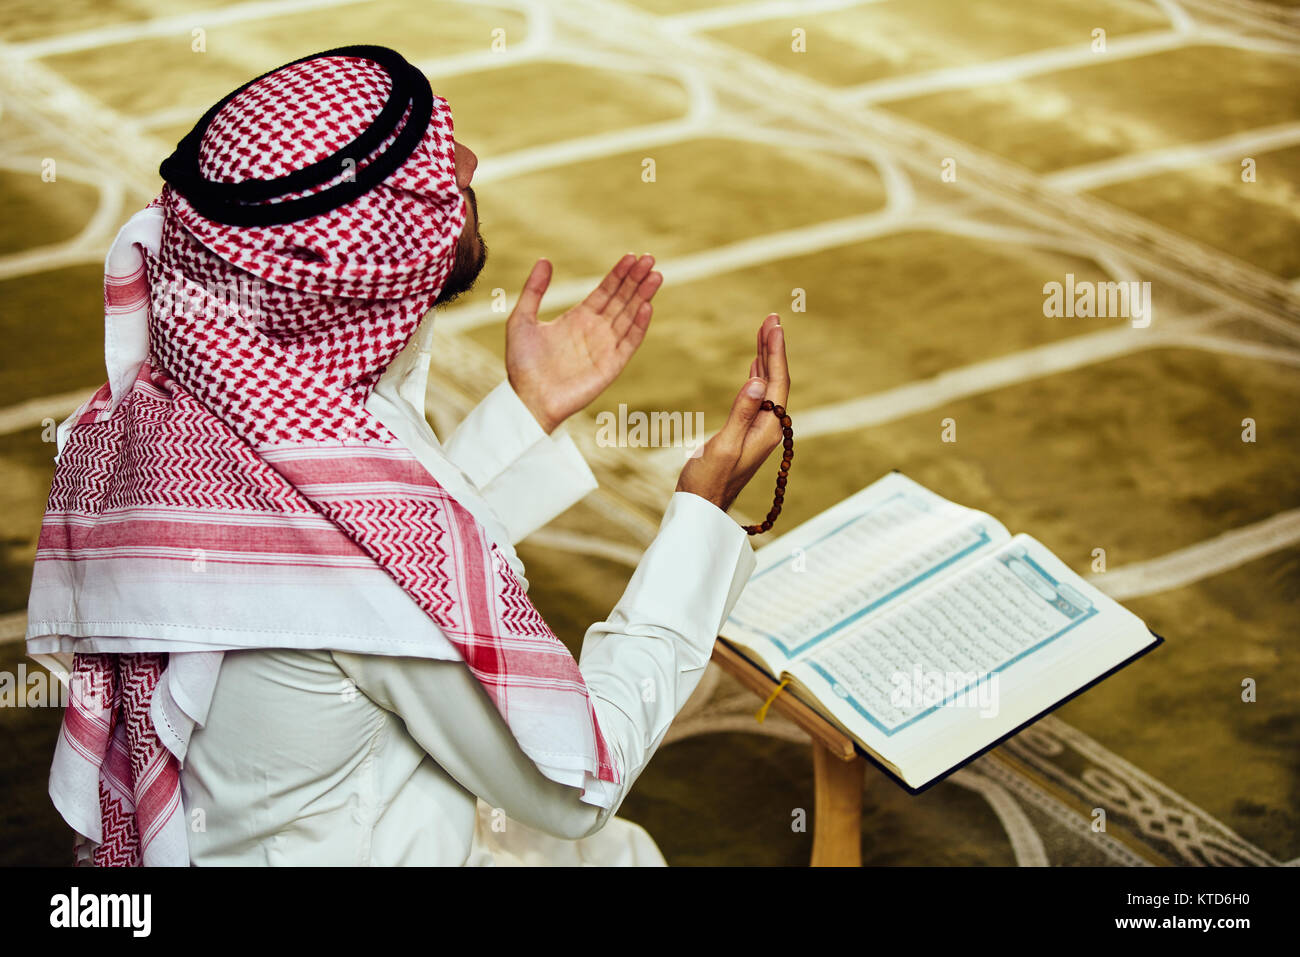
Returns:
(557, 368)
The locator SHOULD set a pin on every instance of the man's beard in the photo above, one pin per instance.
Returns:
(469, 261)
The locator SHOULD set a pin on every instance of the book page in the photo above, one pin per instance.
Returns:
(837, 570)
(970, 659)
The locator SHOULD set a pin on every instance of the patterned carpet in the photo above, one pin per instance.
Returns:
(899, 179)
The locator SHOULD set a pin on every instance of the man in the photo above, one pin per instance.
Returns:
(294, 622)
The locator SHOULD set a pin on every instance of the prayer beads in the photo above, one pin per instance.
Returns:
(782, 476)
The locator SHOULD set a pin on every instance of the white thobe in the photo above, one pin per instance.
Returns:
(331, 758)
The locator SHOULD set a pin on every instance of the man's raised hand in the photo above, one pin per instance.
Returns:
(557, 368)
(730, 459)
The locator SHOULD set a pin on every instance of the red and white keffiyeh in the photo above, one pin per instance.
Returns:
(227, 488)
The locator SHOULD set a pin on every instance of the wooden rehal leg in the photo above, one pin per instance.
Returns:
(837, 814)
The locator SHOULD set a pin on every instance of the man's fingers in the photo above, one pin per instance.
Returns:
(775, 364)
(636, 330)
(644, 293)
(530, 300)
(766, 434)
(640, 269)
(599, 297)
(732, 435)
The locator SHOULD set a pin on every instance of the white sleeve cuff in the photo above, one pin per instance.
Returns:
(526, 476)
(494, 435)
(548, 478)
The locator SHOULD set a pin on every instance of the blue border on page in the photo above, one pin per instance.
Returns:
(1061, 602)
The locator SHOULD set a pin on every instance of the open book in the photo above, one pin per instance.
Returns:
(925, 630)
